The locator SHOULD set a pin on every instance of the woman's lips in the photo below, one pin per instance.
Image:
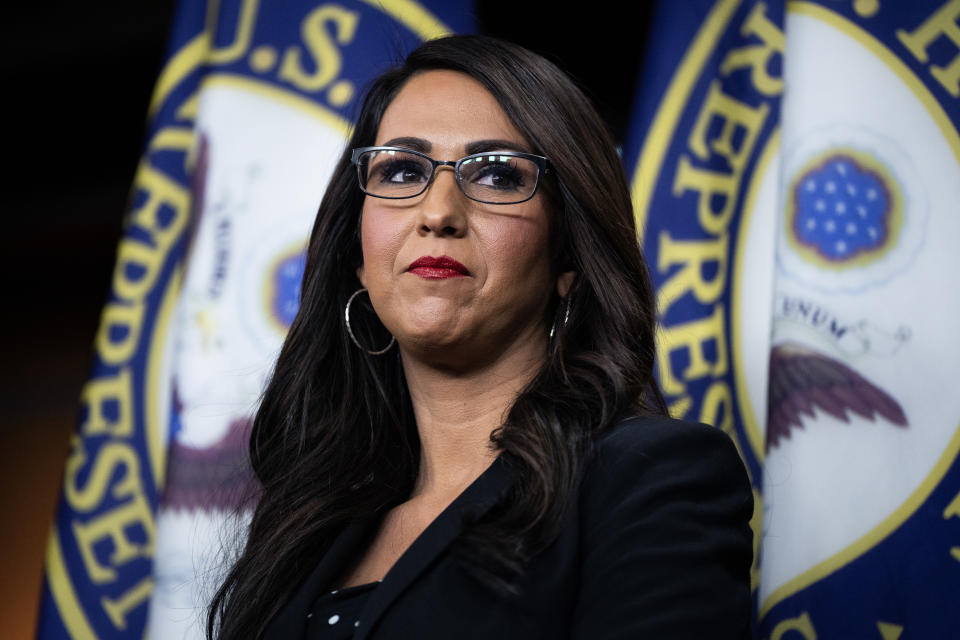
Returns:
(437, 268)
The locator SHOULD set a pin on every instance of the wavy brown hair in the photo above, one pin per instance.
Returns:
(335, 436)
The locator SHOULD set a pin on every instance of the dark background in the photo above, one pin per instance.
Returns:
(77, 80)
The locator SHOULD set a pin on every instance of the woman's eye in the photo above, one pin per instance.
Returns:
(500, 176)
(401, 172)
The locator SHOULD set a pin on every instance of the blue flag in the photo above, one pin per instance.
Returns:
(702, 158)
(249, 114)
(862, 481)
(796, 172)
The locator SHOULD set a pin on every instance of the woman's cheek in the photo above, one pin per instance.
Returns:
(520, 246)
(380, 242)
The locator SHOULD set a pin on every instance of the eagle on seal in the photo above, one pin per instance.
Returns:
(802, 379)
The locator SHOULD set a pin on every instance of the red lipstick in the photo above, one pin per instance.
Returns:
(437, 268)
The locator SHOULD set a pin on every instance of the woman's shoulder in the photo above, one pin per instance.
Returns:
(664, 517)
(651, 437)
(646, 452)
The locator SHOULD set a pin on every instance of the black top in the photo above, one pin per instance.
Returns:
(657, 545)
(336, 614)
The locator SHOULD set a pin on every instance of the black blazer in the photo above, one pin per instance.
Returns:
(657, 546)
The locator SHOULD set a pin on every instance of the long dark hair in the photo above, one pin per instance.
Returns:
(335, 437)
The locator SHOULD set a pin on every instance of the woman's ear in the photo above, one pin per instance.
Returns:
(564, 282)
(361, 276)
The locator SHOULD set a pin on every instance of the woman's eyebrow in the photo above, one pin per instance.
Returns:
(409, 142)
(477, 146)
(482, 146)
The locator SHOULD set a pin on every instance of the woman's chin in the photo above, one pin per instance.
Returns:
(440, 345)
(430, 339)
(430, 321)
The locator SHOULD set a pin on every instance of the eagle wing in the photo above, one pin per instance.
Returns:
(802, 379)
(211, 478)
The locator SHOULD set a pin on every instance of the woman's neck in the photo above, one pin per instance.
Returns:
(456, 411)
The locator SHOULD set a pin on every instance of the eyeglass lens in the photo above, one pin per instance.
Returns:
(488, 177)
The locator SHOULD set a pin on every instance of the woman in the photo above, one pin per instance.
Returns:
(483, 452)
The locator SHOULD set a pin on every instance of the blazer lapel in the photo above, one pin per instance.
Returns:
(478, 498)
(291, 621)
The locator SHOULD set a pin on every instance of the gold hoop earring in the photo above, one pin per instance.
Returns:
(346, 317)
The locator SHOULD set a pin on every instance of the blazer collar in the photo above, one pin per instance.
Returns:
(291, 621)
(477, 499)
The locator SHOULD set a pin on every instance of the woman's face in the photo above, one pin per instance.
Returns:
(495, 304)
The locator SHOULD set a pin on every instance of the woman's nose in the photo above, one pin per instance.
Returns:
(442, 210)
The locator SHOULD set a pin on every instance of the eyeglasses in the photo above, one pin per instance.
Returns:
(498, 177)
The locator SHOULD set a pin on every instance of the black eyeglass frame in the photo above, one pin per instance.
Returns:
(541, 162)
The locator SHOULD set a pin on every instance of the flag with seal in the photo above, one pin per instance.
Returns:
(249, 114)
(803, 247)
(862, 480)
(703, 160)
